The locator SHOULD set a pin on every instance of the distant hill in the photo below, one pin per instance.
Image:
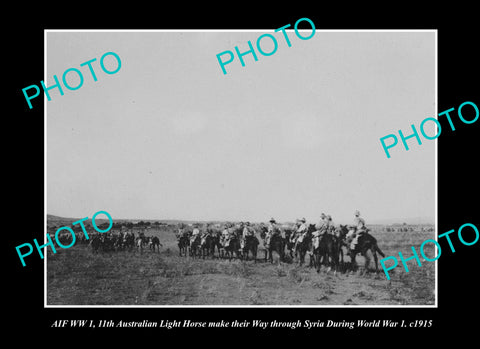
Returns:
(53, 220)
(57, 221)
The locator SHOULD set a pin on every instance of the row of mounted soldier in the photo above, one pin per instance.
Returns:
(324, 242)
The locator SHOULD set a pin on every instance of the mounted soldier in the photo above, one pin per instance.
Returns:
(300, 231)
(321, 227)
(273, 241)
(272, 231)
(205, 232)
(195, 240)
(358, 230)
(248, 231)
(225, 238)
(250, 241)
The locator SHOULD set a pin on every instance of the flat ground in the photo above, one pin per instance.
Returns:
(76, 276)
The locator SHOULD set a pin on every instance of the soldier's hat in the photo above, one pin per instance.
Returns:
(303, 220)
(272, 220)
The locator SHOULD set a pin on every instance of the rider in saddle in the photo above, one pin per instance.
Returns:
(225, 238)
(301, 230)
(248, 230)
(247, 233)
(272, 231)
(182, 231)
(195, 232)
(321, 228)
(206, 231)
(359, 230)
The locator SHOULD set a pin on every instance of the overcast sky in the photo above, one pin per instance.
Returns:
(292, 135)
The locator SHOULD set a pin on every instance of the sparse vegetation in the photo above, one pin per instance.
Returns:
(76, 276)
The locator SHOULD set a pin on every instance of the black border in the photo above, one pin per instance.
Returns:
(457, 174)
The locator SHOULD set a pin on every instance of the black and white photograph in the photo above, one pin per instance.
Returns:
(213, 175)
(262, 184)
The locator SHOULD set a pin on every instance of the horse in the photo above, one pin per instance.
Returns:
(206, 245)
(275, 243)
(194, 245)
(341, 233)
(183, 242)
(129, 241)
(107, 243)
(154, 242)
(250, 244)
(304, 245)
(289, 245)
(95, 243)
(215, 242)
(325, 250)
(209, 241)
(118, 243)
(231, 247)
(141, 241)
(365, 243)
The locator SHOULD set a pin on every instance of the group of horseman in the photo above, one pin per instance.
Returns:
(325, 226)
(224, 238)
(244, 231)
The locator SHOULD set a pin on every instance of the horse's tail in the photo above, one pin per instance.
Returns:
(379, 250)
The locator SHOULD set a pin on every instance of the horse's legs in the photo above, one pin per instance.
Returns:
(367, 260)
(312, 259)
(353, 262)
(375, 258)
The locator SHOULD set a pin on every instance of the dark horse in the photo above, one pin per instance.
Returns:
(208, 243)
(341, 233)
(212, 242)
(302, 247)
(183, 240)
(232, 248)
(195, 245)
(365, 243)
(250, 245)
(276, 244)
(154, 243)
(325, 249)
(290, 245)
